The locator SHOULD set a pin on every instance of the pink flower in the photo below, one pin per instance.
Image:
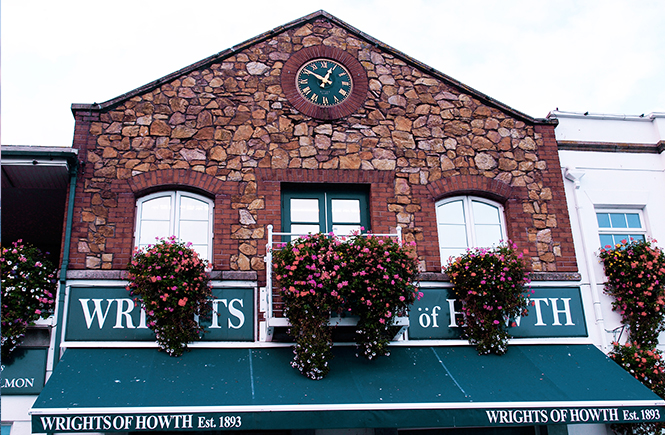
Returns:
(182, 302)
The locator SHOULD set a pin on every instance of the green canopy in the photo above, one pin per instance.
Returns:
(108, 390)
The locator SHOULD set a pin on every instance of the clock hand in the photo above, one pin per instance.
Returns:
(327, 77)
(323, 79)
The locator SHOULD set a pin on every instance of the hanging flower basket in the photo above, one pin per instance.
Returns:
(381, 286)
(366, 276)
(490, 284)
(645, 364)
(635, 273)
(171, 284)
(28, 289)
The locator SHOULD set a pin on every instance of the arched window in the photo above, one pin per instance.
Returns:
(186, 215)
(468, 222)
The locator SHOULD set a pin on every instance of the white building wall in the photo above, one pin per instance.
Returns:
(617, 180)
(15, 412)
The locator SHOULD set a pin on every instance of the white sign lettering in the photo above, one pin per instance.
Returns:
(570, 415)
(233, 311)
(18, 383)
(141, 422)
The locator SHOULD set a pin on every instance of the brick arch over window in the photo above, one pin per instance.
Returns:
(518, 222)
(148, 182)
(475, 185)
(124, 216)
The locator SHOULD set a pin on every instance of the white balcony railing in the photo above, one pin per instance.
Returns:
(275, 239)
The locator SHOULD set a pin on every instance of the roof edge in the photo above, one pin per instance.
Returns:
(611, 147)
(38, 151)
(307, 18)
(645, 117)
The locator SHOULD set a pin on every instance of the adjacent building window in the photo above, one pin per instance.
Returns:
(186, 215)
(341, 210)
(617, 225)
(468, 222)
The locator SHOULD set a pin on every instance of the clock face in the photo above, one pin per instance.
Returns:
(324, 82)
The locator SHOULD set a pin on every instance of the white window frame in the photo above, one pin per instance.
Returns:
(175, 196)
(621, 231)
(469, 221)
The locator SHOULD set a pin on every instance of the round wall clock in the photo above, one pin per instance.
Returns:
(324, 82)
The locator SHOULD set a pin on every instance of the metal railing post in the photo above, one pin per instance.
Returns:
(269, 273)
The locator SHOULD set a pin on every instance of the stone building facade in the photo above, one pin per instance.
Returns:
(224, 127)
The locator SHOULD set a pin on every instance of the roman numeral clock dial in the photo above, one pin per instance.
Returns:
(324, 82)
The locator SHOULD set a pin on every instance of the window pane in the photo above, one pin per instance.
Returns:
(639, 237)
(485, 213)
(304, 210)
(633, 220)
(488, 235)
(603, 220)
(202, 250)
(150, 230)
(606, 240)
(618, 220)
(193, 209)
(195, 232)
(345, 210)
(451, 213)
(345, 230)
(304, 229)
(446, 253)
(453, 236)
(156, 209)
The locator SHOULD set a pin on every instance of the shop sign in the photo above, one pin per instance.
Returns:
(407, 418)
(109, 314)
(553, 312)
(25, 372)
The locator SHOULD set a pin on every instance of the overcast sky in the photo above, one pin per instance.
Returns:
(605, 56)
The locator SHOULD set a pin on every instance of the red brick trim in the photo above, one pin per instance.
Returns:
(553, 179)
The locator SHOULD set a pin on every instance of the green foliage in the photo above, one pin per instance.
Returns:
(490, 285)
(170, 282)
(319, 275)
(28, 289)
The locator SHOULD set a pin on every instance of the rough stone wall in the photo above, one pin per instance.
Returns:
(226, 129)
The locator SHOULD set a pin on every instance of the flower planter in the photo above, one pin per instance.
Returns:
(363, 276)
(489, 283)
(170, 282)
(28, 289)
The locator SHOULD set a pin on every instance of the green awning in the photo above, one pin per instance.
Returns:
(106, 390)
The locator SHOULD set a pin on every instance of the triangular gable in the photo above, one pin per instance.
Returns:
(321, 14)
